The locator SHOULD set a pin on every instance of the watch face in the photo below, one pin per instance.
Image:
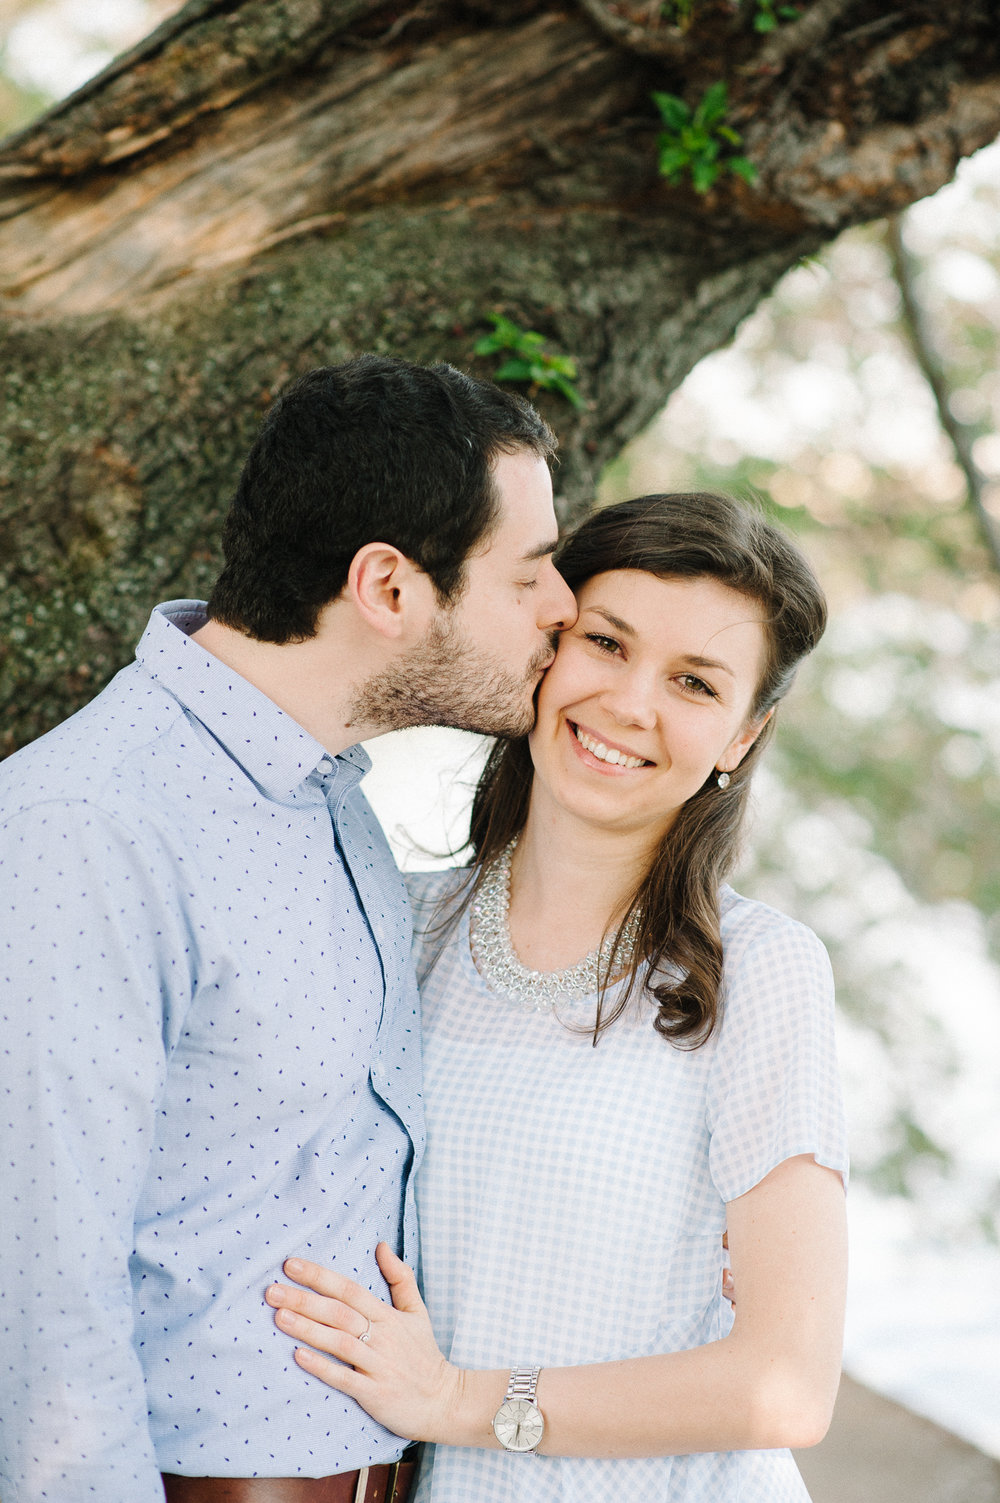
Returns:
(518, 1425)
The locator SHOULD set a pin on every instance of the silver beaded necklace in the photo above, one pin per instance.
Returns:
(534, 991)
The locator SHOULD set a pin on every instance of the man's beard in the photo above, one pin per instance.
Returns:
(444, 681)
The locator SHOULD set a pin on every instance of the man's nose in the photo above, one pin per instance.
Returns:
(559, 609)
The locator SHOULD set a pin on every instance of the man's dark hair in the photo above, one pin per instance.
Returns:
(374, 450)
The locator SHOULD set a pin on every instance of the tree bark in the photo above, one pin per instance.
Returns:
(266, 185)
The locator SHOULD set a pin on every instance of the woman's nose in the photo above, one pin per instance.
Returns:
(632, 701)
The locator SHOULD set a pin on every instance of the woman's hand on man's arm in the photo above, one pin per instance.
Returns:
(770, 1383)
(398, 1374)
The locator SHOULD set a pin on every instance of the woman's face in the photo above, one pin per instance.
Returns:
(650, 691)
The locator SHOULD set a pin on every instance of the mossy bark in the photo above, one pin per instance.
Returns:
(138, 358)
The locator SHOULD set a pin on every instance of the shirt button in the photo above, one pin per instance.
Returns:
(324, 765)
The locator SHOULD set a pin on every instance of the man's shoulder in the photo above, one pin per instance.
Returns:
(95, 751)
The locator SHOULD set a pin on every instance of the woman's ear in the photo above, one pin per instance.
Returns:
(390, 593)
(737, 749)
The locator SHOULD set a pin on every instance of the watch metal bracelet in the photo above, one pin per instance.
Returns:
(522, 1384)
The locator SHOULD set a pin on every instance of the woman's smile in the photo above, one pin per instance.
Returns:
(606, 755)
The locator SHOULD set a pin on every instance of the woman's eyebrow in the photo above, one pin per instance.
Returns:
(693, 658)
(615, 621)
(699, 662)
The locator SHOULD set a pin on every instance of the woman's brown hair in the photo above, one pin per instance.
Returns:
(678, 536)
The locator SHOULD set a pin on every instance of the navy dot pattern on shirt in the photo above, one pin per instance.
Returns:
(210, 1061)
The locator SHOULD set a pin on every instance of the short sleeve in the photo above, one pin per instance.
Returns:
(774, 1090)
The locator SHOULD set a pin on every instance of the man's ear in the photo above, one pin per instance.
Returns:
(388, 590)
(737, 749)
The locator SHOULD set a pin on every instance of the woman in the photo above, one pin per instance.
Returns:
(595, 1125)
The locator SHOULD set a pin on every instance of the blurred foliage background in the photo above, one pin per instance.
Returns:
(879, 823)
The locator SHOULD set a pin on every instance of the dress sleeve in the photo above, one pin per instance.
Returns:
(85, 971)
(774, 1090)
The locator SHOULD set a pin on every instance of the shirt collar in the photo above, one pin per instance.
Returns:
(271, 747)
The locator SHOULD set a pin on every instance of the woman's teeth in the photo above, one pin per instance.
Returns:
(607, 754)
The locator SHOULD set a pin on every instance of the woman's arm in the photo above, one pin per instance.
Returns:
(771, 1382)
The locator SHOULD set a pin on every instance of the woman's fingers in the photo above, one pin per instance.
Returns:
(318, 1311)
(335, 1374)
(331, 1312)
(383, 1355)
(341, 1342)
(333, 1286)
(400, 1277)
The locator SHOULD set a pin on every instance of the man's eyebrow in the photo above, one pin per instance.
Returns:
(542, 551)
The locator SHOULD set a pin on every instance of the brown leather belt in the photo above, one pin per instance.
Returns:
(389, 1483)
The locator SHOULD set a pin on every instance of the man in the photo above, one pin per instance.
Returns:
(211, 1058)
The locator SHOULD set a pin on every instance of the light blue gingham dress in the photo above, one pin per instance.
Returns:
(573, 1199)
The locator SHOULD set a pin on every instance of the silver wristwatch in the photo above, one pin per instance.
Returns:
(518, 1424)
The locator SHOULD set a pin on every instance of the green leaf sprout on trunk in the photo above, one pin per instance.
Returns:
(699, 143)
(528, 360)
(768, 15)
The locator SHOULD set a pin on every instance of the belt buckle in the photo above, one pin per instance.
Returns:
(391, 1478)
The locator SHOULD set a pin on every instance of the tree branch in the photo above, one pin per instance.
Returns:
(799, 36)
(634, 38)
(199, 61)
(932, 366)
(673, 45)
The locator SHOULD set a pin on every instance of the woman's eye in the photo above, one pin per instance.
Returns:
(527, 584)
(606, 644)
(695, 685)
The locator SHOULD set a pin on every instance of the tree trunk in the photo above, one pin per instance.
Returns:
(266, 185)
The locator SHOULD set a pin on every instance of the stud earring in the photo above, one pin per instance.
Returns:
(722, 779)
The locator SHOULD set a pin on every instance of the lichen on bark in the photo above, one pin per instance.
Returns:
(120, 442)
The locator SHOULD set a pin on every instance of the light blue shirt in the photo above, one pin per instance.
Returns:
(209, 1061)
